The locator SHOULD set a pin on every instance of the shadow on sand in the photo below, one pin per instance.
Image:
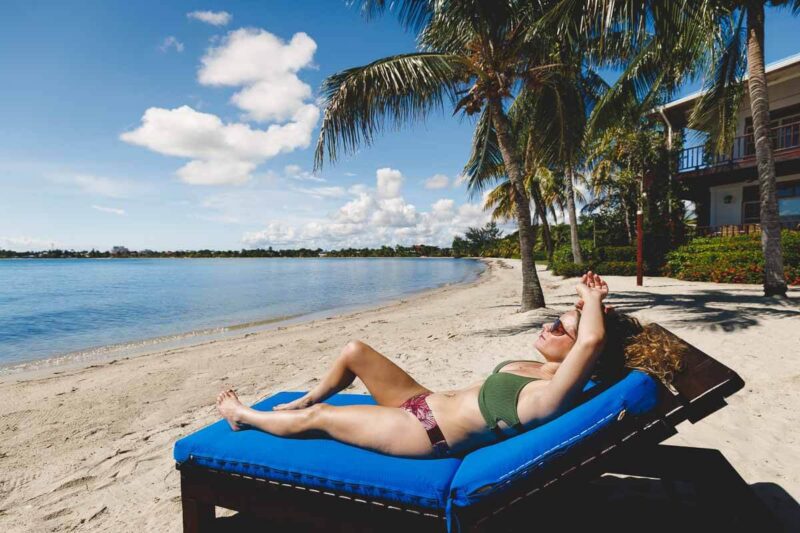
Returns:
(728, 310)
(610, 503)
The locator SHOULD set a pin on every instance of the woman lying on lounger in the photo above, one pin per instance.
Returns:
(412, 421)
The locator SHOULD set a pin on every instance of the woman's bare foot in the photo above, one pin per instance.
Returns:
(300, 403)
(230, 408)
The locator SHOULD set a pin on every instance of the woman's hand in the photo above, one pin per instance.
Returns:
(591, 286)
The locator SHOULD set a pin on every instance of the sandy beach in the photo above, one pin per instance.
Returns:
(90, 449)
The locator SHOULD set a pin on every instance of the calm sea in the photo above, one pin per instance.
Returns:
(51, 307)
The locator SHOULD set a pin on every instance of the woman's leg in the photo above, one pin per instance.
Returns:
(387, 430)
(389, 384)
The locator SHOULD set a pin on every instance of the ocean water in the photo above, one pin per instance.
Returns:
(52, 307)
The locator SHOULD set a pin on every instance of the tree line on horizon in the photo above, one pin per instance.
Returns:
(483, 241)
(420, 250)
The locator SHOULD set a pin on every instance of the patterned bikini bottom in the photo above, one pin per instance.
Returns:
(418, 406)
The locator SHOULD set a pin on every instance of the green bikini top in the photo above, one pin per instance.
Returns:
(498, 396)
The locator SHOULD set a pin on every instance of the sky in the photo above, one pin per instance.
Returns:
(188, 125)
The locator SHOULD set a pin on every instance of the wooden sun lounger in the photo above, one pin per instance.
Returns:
(630, 448)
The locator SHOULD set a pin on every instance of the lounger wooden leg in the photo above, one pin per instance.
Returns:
(197, 517)
(198, 513)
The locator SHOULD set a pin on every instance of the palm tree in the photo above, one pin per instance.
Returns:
(486, 166)
(618, 157)
(562, 112)
(724, 39)
(474, 53)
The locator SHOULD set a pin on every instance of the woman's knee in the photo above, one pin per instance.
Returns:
(313, 416)
(353, 350)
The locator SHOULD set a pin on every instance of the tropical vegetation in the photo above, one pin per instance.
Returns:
(475, 54)
(722, 40)
(736, 259)
(547, 126)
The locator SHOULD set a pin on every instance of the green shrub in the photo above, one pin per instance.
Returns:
(731, 260)
(605, 260)
(616, 253)
(616, 268)
(569, 269)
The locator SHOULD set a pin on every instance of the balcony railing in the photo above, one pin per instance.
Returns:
(731, 230)
(697, 158)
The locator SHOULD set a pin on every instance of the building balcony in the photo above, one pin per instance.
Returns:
(785, 143)
(732, 230)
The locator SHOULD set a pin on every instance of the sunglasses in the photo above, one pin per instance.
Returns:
(558, 329)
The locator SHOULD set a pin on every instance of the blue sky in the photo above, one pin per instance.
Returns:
(184, 125)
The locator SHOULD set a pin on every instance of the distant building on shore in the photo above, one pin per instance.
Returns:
(120, 251)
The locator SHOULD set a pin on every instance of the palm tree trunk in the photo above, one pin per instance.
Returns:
(540, 212)
(532, 295)
(536, 194)
(573, 219)
(627, 214)
(774, 283)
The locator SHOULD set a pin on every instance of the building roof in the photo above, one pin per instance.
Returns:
(770, 68)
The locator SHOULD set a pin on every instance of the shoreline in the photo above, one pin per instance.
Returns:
(91, 448)
(93, 355)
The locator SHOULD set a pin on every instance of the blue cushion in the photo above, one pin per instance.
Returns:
(322, 462)
(488, 470)
(437, 484)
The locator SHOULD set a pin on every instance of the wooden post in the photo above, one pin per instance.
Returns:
(639, 245)
(639, 234)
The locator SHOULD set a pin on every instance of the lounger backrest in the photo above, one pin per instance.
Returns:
(491, 469)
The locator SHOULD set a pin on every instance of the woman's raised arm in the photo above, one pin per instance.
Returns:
(574, 371)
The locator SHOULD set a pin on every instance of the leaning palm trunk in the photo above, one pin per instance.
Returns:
(532, 295)
(627, 215)
(536, 196)
(538, 203)
(573, 220)
(774, 283)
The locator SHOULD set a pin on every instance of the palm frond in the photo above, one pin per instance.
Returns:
(716, 110)
(485, 162)
(413, 14)
(501, 201)
(360, 102)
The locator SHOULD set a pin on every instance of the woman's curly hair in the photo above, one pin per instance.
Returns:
(631, 345)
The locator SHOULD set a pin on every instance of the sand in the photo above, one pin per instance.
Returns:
(90, 449)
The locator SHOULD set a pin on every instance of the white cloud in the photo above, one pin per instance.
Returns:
(459, 180)
(111, 210)
(266, 67)
(443, 209)
(216, 172)
(215, 18)
(228, 153)
(375, 217)
(395, 213)
(389, 182)
(26, 244)
(222, 153)
(358, 188)
(296, 172)
(357, 211)
(273, 100)
(437, 181)
(275, 234)
(322, 192)
(99, 185)
(171, 42)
